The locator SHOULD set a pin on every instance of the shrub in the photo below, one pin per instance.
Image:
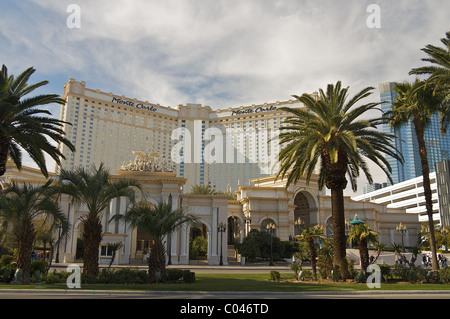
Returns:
(295, 267)
(307, 274)
(444, 275)
(174, 274)
(6, 260)
(57, 277)
(385, 271)
(41, 266)
(416, 274)
(198, 247)
(188, 276)
(275, 275)
(118, 276)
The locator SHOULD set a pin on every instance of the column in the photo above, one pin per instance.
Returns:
(214, 242)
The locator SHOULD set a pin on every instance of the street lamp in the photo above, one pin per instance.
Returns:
(402, 230)
(221, 228)
(347, 231)
(271, 228)
(298, 224)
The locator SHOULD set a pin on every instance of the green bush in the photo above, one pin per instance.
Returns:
(198, 247)
(257, 245)
(275, 275)
(444, 275)
(188, 276)
(416, 274)
(39, 265)
(385, 271)
(57, 277)
(174, 274)
(307, 274)
(295, 267)
(118, 276)
(6, 260)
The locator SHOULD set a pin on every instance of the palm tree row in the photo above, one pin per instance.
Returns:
(92, 190)
(332, 134)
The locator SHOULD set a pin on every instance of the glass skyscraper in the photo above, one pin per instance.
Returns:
(438, 146)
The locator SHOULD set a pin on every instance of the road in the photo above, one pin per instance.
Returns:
(182, 295)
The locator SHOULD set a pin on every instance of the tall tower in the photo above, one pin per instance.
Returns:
(438, 146)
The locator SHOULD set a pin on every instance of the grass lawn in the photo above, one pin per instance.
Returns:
(240, 282)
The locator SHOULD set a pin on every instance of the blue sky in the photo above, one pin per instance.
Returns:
(221, 53)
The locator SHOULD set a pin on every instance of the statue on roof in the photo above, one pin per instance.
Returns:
(147, 162)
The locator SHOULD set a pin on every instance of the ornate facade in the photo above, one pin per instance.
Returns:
(255, 207)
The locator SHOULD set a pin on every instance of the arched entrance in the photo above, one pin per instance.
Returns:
(234, 230)
(301, 213)
(198, 242)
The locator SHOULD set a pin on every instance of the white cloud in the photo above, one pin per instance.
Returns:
(222, 53)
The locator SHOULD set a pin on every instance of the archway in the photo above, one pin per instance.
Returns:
(198, 242)
(234, 230)
(301, 213)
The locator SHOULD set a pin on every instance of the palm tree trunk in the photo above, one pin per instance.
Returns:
(92, 237)
(426, 188)
(157, 262)
(26, 238)
(363, 254)
(312, 254)
(339, 248)
(4, 146)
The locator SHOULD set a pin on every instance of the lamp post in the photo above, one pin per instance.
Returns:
(402, 230)
(221, 228)
(271, 227)
(298, 224)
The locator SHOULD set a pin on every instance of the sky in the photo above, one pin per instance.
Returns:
(220, 53)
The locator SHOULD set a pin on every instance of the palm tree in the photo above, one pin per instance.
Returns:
(329, 133)
(114, 248)
(95, 189)
(157, 221)
(418, 102)
(202, 190)
(309, 235)
(439, 74)
(20, 206)
(24, 126)
(380, 246)
(362, 234)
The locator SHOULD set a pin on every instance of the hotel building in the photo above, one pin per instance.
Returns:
(167, 150)
(224, 148)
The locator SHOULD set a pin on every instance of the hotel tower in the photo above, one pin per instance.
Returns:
(223, 148)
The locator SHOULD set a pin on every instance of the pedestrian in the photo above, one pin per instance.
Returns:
(444, 262)
(412, 260)
(424, 260)
(148, 257)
